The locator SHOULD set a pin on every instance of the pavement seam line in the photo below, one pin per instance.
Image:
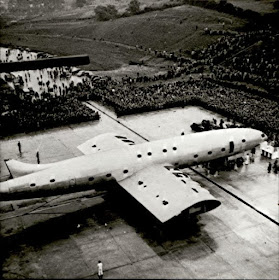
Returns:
(235, 196)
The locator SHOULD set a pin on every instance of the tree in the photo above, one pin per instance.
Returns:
(80, 3)
(104, 13)
(134, 7)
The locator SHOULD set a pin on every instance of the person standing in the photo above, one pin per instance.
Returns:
(100, 270)
(269, 167)
(253, 152)
(247, 159)
(19, 147)
(38, 157)
(275, 166)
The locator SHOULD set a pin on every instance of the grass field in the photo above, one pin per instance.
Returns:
(111, 44)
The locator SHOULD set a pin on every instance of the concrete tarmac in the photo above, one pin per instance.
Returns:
(65, 236)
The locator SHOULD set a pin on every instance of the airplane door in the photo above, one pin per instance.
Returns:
(231, 146)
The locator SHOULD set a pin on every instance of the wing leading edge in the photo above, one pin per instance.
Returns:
(166, 192)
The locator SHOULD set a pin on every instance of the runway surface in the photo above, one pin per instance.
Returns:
(65, 236)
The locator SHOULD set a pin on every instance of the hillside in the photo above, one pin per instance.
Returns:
(112, 44)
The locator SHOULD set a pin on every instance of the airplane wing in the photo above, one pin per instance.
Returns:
(166, 192)
(104, 142)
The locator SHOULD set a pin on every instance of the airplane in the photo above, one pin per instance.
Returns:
(149, 171)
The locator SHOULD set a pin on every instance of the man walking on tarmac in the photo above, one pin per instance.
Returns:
(100, 270)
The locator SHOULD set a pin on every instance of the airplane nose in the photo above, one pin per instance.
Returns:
(255, 135)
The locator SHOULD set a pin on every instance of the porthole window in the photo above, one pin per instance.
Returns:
(108, 175)
(90, 179)
(174, 148)
(195, 156)
(223, 149)
(243, 140)
(125, 171)
(139, 156)
(52, 180)
(263, 135)
(209, 152)
(157, 195)
(165, 150)
(32, 185)
(149, 153)
(140, 182)
(182, 133)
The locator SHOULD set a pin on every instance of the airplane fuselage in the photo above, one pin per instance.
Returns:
(118, 164)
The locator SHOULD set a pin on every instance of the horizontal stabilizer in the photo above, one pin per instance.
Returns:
(104, 142)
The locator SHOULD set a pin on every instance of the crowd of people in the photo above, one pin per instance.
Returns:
(246, 108)
(40, 99)
(252, 107)
(250, 57)
(26, 115)
(241, 58)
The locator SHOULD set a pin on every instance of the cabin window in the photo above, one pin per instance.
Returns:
(94, 146)
(183, 181)
(195, 190)
(90, 179)
(174, 148)
(144, 186)
(209, 152)
(165, 150)
(140, 182)
(149, 153)
(52, 180)
(157, 195)
(108, 175)
(139, 156)
(182, 133)
(243, 140)
(263, 135)
(195, 156)
(231, 146)
(223, 149)
(125, 171)
(165, 202)
(32, 185)
(176, 163)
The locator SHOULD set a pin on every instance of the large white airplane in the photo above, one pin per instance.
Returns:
(148, 171)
